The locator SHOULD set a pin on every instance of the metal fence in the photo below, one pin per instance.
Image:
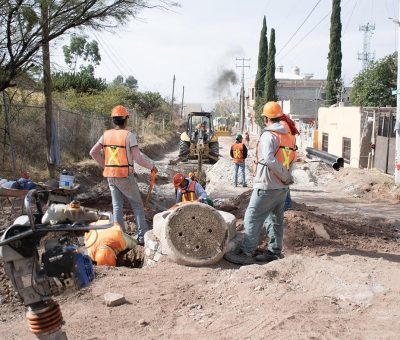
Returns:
(77, 133)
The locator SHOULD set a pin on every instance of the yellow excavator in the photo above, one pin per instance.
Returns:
(199, 141)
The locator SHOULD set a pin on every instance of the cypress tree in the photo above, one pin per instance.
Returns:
(334, 56)
(270, 81)
(261, 71)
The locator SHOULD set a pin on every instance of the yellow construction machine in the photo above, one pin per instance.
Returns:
(222, 126)
(199, 141)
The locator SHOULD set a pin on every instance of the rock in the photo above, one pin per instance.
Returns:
(259, 288)
(143, 322)
(114, 299)
(157, 257)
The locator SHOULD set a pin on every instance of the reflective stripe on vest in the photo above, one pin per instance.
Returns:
(189, 195)
(115, 154)
(237, 150)
(286, 151)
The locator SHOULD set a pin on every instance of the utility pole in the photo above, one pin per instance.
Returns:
(172, 99)
(366, 56)
(242, 92)
(183, 97)
(397, 126)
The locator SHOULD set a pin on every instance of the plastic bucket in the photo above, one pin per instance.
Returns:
(66, 182)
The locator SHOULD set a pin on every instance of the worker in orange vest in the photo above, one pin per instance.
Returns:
(120, 151)
(275, 156)
(104, 245)
(239, 154)
(188, 190)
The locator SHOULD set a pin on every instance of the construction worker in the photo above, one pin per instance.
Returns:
(104, 245)
(120, 151)
(188, 190)
(275, 154)
(247, 138)
(239, 154)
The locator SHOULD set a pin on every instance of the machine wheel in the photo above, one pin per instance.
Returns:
(184, 149)
(214, 151)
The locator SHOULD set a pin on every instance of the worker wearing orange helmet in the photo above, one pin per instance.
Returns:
(188, 190)
(120, 151)
(275, 155)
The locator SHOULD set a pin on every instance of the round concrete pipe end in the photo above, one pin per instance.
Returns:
(196, 234)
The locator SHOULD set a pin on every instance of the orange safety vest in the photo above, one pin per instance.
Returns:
(189, 195)
(286, 151)
(237, 150)
(111, 238)
(115, 154)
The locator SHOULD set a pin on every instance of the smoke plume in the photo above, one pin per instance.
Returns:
(225, 79)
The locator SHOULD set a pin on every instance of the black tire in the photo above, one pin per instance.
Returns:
(214, 151)
(184, 149)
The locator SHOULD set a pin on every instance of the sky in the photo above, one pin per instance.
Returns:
(203, 37)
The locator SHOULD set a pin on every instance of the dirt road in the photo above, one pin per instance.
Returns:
(339, 278)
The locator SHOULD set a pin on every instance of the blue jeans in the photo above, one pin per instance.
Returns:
(128, 188)
(265, 207)
(288, 202)
(236, 167)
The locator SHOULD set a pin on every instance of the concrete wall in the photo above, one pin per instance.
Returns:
(339, 122)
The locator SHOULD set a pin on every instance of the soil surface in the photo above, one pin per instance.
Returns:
(339, 277)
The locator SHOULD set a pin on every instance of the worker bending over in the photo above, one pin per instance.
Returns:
(120, 150)
(188, 190)
(104, 245)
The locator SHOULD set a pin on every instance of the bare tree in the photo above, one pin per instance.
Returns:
(21, 29)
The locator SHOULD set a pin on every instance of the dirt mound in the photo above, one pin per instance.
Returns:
(309, 230)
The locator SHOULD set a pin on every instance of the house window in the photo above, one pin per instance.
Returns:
(346, 149)
(325, 142)
(252, 93)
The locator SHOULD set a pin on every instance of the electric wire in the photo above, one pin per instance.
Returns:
(301, 25)
(114, 62)
(350, 17)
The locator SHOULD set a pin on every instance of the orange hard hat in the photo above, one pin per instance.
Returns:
(191, 174)
(105, 256)
(272, 110)
(178, 179)
(119, 111)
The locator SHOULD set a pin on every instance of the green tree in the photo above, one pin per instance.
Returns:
(80, 48)
(83, 81)
(270, 81)
(261, 70)
(373, 86)
(334, 78)
(147, 103)
(131, 82)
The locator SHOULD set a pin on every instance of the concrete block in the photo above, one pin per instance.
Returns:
(230, 221)
(114, 299)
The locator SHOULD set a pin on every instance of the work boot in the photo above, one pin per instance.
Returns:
(268, 256)
(244, 185)
(239, 257)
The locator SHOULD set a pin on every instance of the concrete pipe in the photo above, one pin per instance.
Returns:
(194, 234)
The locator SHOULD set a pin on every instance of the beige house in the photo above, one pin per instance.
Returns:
(349, 132)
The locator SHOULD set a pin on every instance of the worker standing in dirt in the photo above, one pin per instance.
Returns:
(275, 154)
(188, 190)
(120, 151)
(239, 154)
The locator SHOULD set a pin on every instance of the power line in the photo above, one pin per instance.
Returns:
(301, 25)
(349, 19)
